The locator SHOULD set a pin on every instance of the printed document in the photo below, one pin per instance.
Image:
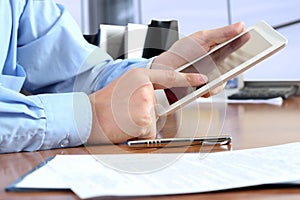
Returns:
(167, 173)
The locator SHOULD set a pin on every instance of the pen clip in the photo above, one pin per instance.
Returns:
(220, 141)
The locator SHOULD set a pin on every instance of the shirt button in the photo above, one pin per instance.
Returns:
(65, 142)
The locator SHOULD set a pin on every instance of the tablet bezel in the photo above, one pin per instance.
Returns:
(277, 42)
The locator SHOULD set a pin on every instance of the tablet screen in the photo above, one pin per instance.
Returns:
(221, 61)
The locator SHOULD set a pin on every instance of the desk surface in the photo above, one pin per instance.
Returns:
(250, 126)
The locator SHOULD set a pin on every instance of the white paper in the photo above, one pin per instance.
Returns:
(274, 101)
(278, 101)
(159, 174)
(43, 178)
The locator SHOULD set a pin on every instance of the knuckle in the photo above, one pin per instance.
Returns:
(144, 121)
(171, 75)
(144, 103)
(145, 93)
(190, 79)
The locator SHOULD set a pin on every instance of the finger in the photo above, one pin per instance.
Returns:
(223, 34)
(215, 91)
(220, 35)
(169, 78)
(141, 117)
(152, 130)
(230, 48)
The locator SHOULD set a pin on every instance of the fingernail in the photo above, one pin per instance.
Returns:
(203, 78)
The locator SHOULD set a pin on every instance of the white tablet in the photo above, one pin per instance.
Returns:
(223, 63)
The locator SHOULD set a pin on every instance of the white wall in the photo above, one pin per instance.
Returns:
(74, 6)
(192, 15)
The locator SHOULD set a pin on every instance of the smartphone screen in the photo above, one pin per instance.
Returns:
(221, 61)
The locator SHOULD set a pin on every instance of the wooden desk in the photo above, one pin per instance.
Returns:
(250, 126)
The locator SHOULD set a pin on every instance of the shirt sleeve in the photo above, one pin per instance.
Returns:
(59, 68)
(45, 121)
(102, 74)
(59, 59)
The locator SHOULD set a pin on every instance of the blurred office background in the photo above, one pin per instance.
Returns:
(193, 15)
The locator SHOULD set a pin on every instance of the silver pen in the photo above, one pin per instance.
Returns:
(177, 142)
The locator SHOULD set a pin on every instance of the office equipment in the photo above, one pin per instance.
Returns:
(137, 40)
(264, 92)
(161, 35)
(240, 53)
(149, 174)
(135, 37)
(111, 39)
(175, 142)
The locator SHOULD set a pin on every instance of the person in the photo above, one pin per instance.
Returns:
(57, 90)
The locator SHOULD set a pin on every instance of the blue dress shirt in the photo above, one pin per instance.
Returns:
(43, 52)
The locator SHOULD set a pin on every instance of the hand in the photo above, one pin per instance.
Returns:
(193, 46)
(189, 48)
(126, 108)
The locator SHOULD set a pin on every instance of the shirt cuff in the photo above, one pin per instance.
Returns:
(68, 119)
(148, 66)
